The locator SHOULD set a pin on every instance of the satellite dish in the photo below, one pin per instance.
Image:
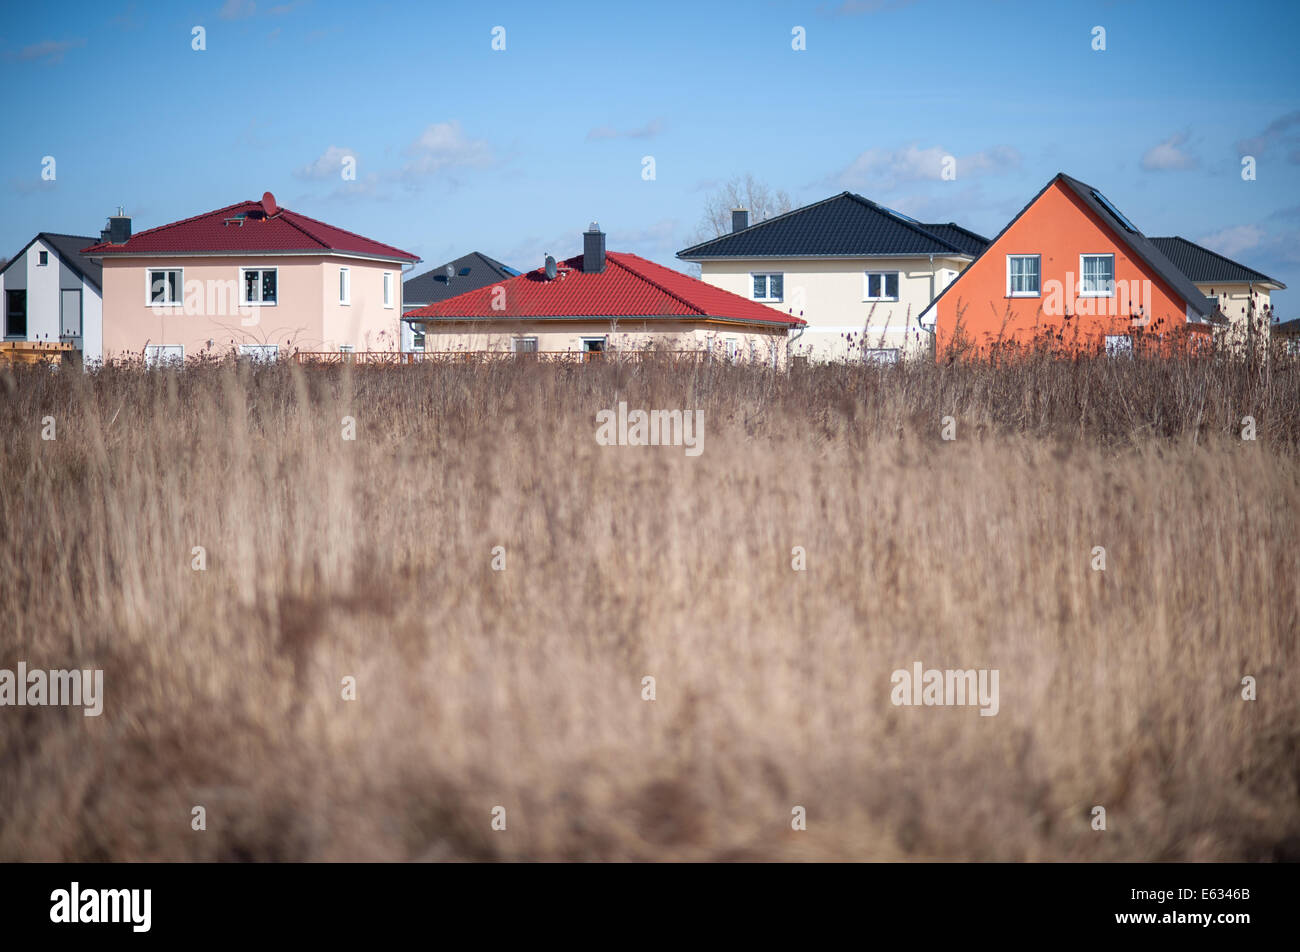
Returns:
(268, 204)
(550, 268)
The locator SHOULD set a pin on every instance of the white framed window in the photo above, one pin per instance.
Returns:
(1096, 275)
(1024, 275)
(1119, 345)
(388, 289)
(880, 286)
(164, 287)
(265, 353)
(345, 285)
(417, 340)
(345, 348)
(259, 286)
(880, 355)
(524, 345)
(733, 347)
(593, 345)
(769, 286)
(164, 355)
(42, 259)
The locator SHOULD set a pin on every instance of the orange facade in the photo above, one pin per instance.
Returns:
(999, 305)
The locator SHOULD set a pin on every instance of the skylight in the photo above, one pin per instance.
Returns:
(1115, 212)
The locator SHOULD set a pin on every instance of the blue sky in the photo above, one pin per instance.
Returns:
(461, 147)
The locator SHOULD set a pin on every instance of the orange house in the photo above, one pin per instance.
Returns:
(1071, 274)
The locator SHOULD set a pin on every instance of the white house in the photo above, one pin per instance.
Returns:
(52, 294)
(859, 273)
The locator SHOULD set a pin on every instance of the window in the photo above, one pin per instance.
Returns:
(524, 345)
(16, 314)
(1096, 275)
(259, 286)
(593, 345)
(769, 287)
(882, 286)
(417, 340)
(166, 286)
(880, 355)
(345, 348)
(733, 347)
(388, 289)
(264, 353)
(70, 313)
(345, 286)
(164, 355)
(1023, 277)
(1119, 345)
(43, 258)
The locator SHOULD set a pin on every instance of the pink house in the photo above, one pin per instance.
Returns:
(251, 278)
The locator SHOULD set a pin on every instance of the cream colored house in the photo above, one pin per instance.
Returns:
(600, 302)
(1233, 284)
(858, 273)
(250, 279)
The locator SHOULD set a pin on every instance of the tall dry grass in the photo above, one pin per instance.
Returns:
(522, 688)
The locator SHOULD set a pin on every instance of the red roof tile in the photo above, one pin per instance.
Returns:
(630, 286)
(243, 228)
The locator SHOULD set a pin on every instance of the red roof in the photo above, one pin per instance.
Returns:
(630, 286)
(243, 228)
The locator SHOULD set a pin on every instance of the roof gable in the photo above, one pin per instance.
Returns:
(629, 287)
(843, 226)
(245, 228)
(67, 247)
(1120, 228)
(1204, 266)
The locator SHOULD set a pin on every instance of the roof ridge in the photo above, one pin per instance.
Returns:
(351, 234)
(1211, 251)
(183, 221)
(915, 226)
(765, 221)
(645, 277)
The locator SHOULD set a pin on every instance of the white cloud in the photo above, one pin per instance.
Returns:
(444, 145)
(1168, 155)
(235, 9)
(51, 51)
(1231, 242)
(328, 166)
(648, 131)
(886, 168)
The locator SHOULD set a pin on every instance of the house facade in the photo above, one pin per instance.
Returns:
(603, 301)
(1072, 273)
(51, 296)
(251, 279)
(1242, 292)
(857, 272)
(466, 273)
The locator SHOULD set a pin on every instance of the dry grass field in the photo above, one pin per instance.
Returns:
(372, 558)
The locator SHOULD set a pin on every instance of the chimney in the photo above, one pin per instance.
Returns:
(739, 219)
(119, 227)
(593, 249)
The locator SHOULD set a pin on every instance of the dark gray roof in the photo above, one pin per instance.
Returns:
(963, 238)
(469, 273)
(842, 226)
(1287, 327)
(1125, 231)
(1205, 266)
(69, 249)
